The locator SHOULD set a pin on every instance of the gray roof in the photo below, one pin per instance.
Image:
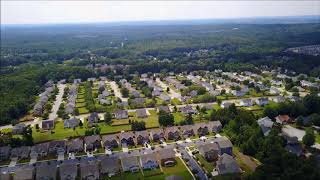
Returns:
(126, 135)
(89, 169)
(141, 113)
(129, 161)
(91, 139)
(148, 157)
(226, 164)
(223, 142)
(203, 148)
(24, 172)
(46, 171)
(110, 164)
(75, 144)
(68, 171)
(109, 137)
(166, 153)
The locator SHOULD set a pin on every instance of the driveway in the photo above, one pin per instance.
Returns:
(116, 91)
(172, 93)
(193, 164)
(57, 103)
(291, 131)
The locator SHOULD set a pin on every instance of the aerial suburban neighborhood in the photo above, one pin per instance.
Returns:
(152, 134)
(160, 90)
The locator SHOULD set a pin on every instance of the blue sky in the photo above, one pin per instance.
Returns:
(44, 12)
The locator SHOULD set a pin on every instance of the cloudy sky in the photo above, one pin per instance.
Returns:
(43, 12)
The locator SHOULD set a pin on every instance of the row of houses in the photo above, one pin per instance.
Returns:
(72, 97)
(91, 167)
(44, 97)
(92, 143)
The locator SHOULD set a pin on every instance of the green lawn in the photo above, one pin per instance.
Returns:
(179, 170)
(178, 117)
(317, 138)
(153, 172)
(58, 133)
(208, 166)
(83, 110)
(80, 104)
(151, 121)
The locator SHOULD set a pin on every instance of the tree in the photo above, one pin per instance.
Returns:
(299, 121)
(138, 126)
(107, 117)
(189, 119)
(168, 89)
(165, 119)
(125, 92)
(76, 111)
(309, 138)
(315, 119)
(80, 123)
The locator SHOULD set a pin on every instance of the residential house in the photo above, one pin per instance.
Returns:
(172, 133)
(21, 152)
(274, 90)
(165, 97)
(135, 94)
(226, 104)
(25, 172)
(164, 108)
(265, 125)
(149, 161)
(139, 101)
(18, 129)
(47, 124)
(5, 153)
(215, 126)
(157, 134)
(46, 170)
(167, 157)
(201, 129)
(110, 166)
(224, 144)
(71, 123)
(141, 113)
(121, 114)
(156, 92)
(209, 151)
(75, 145)
(127, 138)
(93, 118)
(238, 93)
(130, 163)
(283, 119)
(246, 102)
(68, 170)
(227, 165)
(293, 146)
(89, 169)
(188, 110)
(187, 131)
(279, 99)
(262, 101)
(92, 142)
(40, 149)
(142, 137)
(110, 141)
(57, 147)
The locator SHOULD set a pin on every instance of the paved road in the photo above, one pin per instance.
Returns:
(172, 93)
(57, 103)
(193, 164)
(116, 91)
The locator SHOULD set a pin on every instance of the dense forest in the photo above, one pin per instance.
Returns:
(30, 56)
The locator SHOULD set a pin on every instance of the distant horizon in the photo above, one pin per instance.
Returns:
(228, 20)
(85, 12)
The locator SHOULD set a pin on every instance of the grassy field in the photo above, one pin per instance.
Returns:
(178, 117)
(206, 165)
(317, 137)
